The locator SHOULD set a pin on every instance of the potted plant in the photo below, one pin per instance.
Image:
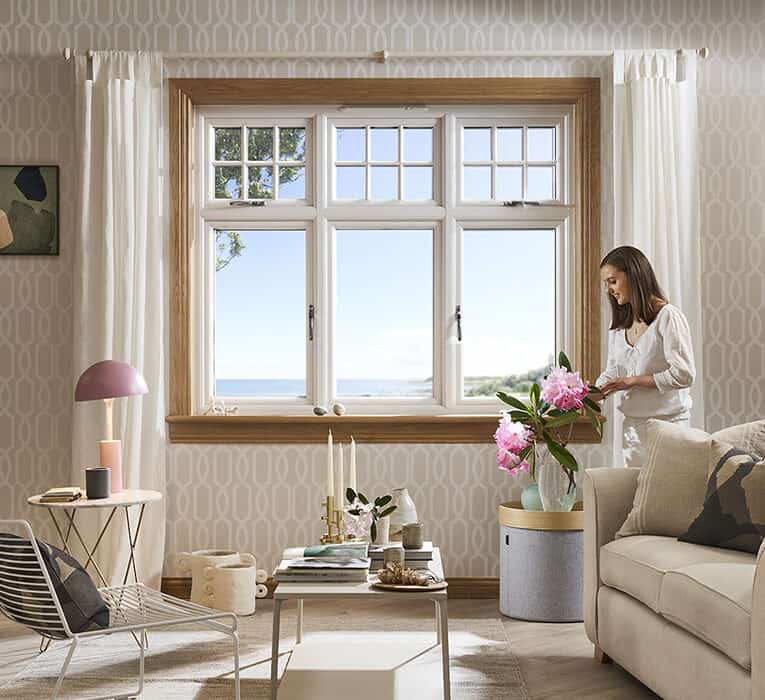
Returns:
(361, 518)
(530, 435)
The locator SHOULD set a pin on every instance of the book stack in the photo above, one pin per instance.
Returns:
(413, 558)
(65, 494)
(331, 563)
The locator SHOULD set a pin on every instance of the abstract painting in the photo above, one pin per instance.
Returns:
(28, 210)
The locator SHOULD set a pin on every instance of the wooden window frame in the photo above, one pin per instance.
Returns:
(186, 93)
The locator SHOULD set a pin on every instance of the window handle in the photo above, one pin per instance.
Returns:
(458, 316)
(311, 319)
(247, 203)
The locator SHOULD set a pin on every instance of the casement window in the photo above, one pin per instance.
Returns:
(396, 264)
(404, 247)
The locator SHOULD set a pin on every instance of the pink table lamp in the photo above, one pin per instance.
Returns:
(108, 380)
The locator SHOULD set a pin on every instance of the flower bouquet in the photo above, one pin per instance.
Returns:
(541, 423)
(360, 517)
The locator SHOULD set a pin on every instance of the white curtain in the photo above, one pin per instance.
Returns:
(656, 180)
(119, 288)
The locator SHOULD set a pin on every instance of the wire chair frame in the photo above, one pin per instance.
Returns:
(28, 597)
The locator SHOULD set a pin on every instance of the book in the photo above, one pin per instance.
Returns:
(326, 563)
(424, 553)
(284, 573)
(345, 549)
(64, 494)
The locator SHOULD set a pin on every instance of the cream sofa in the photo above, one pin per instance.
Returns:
(687, 620)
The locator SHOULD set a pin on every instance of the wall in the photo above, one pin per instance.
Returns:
(262, 498)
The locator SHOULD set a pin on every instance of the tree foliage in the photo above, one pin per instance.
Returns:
(228, 185)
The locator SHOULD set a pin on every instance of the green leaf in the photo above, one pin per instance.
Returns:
(591, 404)
(561, 454)
(555, 412)
(524, 453)
(363, 498)
(384, 500)
(512, 401)
(373, 531)
(534, 394)
(565, 419)
(350, 495)
(594, 420)
(563, 360)
(521, 416)
(355, 511)
(387, 512)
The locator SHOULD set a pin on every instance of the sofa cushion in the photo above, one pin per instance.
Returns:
(733, 515)
(637, 565)
(713, 601)
(672, 483)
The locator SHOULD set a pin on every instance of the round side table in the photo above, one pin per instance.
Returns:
(122, 499)
(541, 562)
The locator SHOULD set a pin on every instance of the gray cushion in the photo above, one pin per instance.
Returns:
(733, 514)
(81, 603)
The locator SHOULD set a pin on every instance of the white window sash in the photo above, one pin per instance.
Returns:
(319, 216)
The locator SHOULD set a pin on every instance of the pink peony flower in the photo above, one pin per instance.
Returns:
(512, 438)
(563, 389)
(358, 525)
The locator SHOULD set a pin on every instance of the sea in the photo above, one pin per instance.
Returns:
(345, 387)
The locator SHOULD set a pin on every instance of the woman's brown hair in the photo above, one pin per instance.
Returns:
(644, 287)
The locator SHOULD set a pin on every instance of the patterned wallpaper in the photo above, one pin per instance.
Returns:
(260, 498)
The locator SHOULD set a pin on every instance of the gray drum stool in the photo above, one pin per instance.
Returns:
(541, 563)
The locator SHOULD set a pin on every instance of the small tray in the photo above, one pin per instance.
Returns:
(409, 587)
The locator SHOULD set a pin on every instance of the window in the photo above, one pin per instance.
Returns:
(257, 159)
(543, 142)
(394, 293)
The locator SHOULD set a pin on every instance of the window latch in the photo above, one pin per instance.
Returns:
(458, 316)
(247, 203)
(311, 319)
(520, 203)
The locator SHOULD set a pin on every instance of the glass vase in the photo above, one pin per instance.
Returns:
(556, 492)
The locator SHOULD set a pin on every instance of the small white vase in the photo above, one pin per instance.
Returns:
(405, 513)
(383, 530)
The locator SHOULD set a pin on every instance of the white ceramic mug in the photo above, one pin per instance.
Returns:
(196, 562)
(231, 587)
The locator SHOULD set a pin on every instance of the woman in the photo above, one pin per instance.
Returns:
(650, 359)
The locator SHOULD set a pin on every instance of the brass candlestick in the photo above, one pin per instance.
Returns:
(330, 537)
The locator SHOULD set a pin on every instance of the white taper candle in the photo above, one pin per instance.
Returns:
(330, 467)
(352, 472)
(340, 502)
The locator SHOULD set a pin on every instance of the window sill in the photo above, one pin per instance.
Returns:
(311, 429)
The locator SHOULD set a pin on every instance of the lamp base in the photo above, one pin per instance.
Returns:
(110, 453)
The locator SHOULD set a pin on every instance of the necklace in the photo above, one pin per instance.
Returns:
(635, 331)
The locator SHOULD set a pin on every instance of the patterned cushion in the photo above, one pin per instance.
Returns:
(82, 604)
(733, 515)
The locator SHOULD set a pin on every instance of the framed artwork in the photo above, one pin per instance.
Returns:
(29, 210)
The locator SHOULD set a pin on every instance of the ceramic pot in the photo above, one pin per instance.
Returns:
(530, 499)
(405, 513)
(231, 588)
(383, 530)
(196, 562)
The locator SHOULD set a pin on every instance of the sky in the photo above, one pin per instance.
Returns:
(384, 304)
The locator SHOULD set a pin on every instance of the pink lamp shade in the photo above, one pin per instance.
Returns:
(109, 379)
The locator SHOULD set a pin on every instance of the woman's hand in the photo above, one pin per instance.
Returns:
(618, 384)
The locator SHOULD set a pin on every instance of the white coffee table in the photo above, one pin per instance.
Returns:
(360, 591)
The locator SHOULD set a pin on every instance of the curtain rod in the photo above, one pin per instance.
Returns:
(384, 56)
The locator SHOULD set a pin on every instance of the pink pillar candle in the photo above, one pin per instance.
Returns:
(110, 452)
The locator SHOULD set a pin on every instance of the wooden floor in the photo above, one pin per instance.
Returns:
(556, 659)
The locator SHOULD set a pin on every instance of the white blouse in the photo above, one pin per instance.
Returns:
(664, 350)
